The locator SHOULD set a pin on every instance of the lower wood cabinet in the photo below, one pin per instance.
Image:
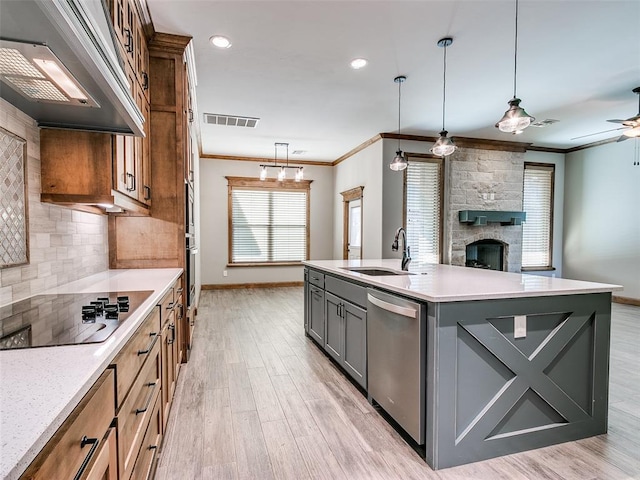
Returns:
(146, 462)
(116, 430)
(136, 412)
(105, 466)
(81, 438)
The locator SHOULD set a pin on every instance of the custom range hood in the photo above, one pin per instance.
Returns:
(58, 64)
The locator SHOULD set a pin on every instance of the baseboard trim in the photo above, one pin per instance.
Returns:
(626, 300)
(230, 286)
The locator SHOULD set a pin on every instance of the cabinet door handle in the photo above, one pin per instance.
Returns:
(151, 345)
(146, 404)
(145, 80)
(181, 306)
(131, 179)
(172, 327)
(147, 192)
(83, 443)
(190, 115)
(129, 45)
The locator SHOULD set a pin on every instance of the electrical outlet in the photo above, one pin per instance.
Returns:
(224, 273)
(519, 326)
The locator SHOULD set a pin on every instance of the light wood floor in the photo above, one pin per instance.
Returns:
(258, 400)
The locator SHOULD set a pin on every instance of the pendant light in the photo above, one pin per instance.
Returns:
(399, 162)
(444, 145)
(515, 120)
(282, 169)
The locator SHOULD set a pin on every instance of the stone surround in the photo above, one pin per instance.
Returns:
(484, 180)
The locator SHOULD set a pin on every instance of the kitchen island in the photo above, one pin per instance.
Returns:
(42, 386)
(502, 363)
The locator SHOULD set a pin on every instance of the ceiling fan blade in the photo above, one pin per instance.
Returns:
(622, 138)
(616, 120)
(598, 133)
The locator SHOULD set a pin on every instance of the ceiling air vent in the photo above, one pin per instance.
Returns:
(544, 123)
(230, 120)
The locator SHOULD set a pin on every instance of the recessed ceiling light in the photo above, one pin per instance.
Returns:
(358, 63)
(220, 41)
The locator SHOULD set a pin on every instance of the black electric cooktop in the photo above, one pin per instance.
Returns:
(66, 318)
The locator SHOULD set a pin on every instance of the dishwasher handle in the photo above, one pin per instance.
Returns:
(390, 307)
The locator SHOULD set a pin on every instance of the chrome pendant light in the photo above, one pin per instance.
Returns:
(444, 145)
(282, 169)
(399, 162)
(515, 120)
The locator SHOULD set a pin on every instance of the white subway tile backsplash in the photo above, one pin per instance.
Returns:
(64, 244)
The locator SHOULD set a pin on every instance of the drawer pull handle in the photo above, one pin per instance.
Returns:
(151, 345)
(94, 445)
(153, 447)
(170, 306)
(146, 405)
(179, 291)
(172, 327)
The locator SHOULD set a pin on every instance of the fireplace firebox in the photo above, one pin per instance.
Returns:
(487, 254)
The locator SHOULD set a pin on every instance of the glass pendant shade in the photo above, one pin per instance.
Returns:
(282, 174)
(515, 119)
(299, 174)
(633, 132)
(263, 172)
(399, 162)
(444, 145)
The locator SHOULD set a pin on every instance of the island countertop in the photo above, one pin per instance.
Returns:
(41, 386)
(447, 283)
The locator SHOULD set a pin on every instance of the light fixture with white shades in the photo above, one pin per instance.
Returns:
(444, 145)
(282, 169)
(515, 120)
(399, 162)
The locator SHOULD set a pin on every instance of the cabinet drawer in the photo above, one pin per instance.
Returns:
(135, 352)
(316, 278)
(150, 445)
(65, 454)
(347, 290)
(136, 411)
(105, 466)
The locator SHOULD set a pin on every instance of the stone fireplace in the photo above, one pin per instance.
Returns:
(489, 180)
(487, 254)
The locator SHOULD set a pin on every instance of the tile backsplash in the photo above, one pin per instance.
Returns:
(64, 244)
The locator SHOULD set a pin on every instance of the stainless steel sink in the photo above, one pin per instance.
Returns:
(375, 271)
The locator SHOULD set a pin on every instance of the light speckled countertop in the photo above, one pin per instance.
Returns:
(39, 387)
(448, 283)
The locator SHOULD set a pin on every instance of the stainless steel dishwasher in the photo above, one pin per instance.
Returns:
(396, 340)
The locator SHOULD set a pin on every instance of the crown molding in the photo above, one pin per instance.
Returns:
(265, 160)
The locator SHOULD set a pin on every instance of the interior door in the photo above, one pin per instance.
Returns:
(355, 230)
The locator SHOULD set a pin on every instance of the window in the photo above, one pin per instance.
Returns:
(537, 231)
(268, 221)
(423, 207)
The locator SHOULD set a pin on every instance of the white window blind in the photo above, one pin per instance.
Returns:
(423, 210)
(268, 226)
(538, 205)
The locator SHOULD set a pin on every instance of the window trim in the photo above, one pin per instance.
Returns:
(427, 158)
(249, 183)
(552, 168)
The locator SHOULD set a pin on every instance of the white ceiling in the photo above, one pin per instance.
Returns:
(578, 61)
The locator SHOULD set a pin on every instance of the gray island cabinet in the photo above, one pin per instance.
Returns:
(510, 363)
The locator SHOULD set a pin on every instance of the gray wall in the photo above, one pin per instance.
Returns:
(64, 244)
(601, 216)
(362, 169)
(214, 223)
(558, 160)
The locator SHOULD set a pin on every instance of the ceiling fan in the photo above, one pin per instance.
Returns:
(631, 126)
